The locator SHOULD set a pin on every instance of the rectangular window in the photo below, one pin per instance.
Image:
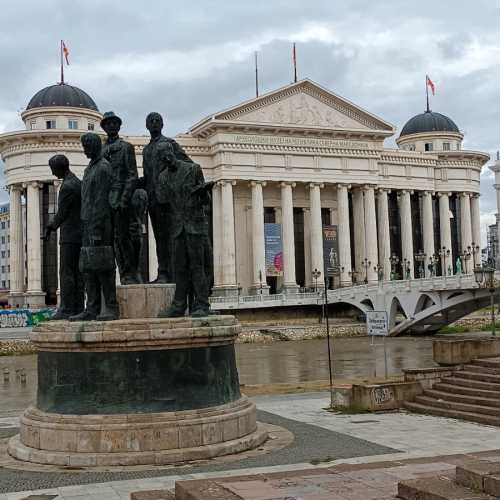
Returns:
(8, 254)
(8, 238)
(3, 254)
(3, 240)
(8, 268)
(3, 225)
(91, 126)
(446, 146)
(73, 124)
(429, 146)
(3, 269)
(33, 124)
(49, 124)
(3, 283)
(8, 283)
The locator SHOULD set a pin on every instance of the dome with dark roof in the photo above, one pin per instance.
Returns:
(429, 122)
(62, 94)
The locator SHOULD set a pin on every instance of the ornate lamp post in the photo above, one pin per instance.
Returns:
(443, 253)
(466, 257)
(380, 271)
(366, 265)
(394, 263)
(260, 281)
(433, 260)
(475, 249)
(420, 258)
(485, 276)
(316, 273)
(406, 268)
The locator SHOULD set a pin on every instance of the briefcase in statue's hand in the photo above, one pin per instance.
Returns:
(98, 259)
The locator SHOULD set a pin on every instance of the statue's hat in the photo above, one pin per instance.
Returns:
(108, 116)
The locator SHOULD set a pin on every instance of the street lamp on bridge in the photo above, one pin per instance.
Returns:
(443, 253)
(316, 273)
(394, 263)
(485, 277)
(433, 262)
(474, 249)
(420, 258)
(406, 269)
(366, 265)
(465, 256)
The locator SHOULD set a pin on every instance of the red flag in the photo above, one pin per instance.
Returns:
(431, 85)
(65, 51)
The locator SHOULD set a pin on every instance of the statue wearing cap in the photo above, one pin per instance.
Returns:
(121, 156)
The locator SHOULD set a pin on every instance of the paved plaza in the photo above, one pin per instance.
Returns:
(322, 440)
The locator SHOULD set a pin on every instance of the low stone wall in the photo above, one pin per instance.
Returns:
(427, 377)
(388, 396)
(302, 332)
(459, 350)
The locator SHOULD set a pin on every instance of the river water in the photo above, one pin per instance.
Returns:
(278, 362)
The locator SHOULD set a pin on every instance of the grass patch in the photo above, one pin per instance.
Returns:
(317, 461)
(454, 329)
(487, 327)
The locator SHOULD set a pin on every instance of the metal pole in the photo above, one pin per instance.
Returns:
(330, 367)
(385, 358)
(493, 334)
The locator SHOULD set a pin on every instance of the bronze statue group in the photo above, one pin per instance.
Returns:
(101, 218)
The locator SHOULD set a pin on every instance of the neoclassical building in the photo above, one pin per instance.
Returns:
(296, 160)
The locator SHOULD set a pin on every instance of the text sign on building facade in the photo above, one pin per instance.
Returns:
(330, 251)
(274, 249)
(377, 323)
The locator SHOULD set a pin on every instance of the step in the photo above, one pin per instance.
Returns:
(463, 415)
(466, 391)
(462, 398)
(491, 362)
(436, 488)
(473, 473)
(475, 384)
(483, 377)
(455, 406)
(488, 370)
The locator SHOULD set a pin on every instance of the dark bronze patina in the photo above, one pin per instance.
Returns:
(97, 260)
(67, 219)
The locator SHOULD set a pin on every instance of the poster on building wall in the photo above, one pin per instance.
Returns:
(330, 250)
(274, 249)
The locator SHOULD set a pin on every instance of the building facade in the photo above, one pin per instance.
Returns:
(296, 160)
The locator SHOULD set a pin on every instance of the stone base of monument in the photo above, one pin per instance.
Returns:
(136, 392)
(144, 300)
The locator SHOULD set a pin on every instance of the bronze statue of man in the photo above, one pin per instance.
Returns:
(182, 188)
(158, 211)
(121, 156)
(97, 259)
(67, 219)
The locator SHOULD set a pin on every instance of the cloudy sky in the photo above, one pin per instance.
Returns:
(188, 59)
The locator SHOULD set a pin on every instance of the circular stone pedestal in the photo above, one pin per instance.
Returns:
(136, 392)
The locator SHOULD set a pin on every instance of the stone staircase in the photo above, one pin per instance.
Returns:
(471, 393)
(476, 480)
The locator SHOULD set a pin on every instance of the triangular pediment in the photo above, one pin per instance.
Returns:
(303, 104)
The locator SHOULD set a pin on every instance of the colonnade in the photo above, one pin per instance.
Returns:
(371, 235)
(373, 256)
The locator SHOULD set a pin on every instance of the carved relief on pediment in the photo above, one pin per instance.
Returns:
(301, 109)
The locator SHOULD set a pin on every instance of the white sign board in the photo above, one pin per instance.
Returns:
(377, 323)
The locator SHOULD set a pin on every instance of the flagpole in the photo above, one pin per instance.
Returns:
(427, 91)
(62, 65)
(294, 64)
(256, 76)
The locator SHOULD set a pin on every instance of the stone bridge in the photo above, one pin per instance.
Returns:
(418, 305)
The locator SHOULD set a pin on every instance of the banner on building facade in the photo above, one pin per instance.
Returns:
(330, 251)
(274, 249)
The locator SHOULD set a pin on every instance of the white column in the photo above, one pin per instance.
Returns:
(229, 283)
(476, 227)
(217, 234)
(465, 224)
(370, 235)
(16, 261)
(428, 230)
(445, 231)
(307, 248)
(316, 231)
(344, 235)
(358, 216)
(289, 280)
(258, 245)
(406, 231)
(152, 257)
(35, 297)
(384, 236)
